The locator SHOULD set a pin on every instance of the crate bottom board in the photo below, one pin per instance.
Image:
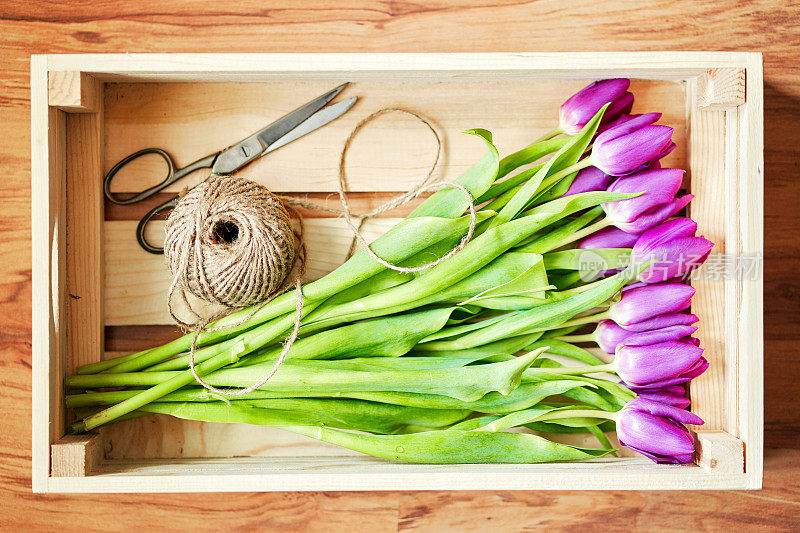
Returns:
(366, 473)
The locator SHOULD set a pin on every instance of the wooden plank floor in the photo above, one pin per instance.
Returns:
(383, 26)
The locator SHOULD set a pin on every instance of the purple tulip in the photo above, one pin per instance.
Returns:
(609, 336)
(659, 365)
(662, 321)
(583, 105)
(691, 340)
(674, 396)
(623, 149)
(622, 119)
(674, 247)
(645, 303)
(656, 216)
(608, 238)
(656, 430)
(589, 179)
(658, 202)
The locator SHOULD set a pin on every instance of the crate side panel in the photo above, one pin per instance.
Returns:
(707, 170)
(751, 318)
(392, 153)
(366, 473)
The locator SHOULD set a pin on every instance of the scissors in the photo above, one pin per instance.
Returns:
(286, 129)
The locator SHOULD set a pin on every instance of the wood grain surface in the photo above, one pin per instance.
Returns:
(383, 26)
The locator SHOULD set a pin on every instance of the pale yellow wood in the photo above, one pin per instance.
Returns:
(163, 437)
(76, 455)
(392, 153)
(260, 67)
(751, 314)
(708, 209)
(733, 286)
(44, 208)
(136, 282)
(74, 91)
(84, 233)
(367, 473)
(720, 89)
(719, 451)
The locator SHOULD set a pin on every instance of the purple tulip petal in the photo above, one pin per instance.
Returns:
(679, 227)
(644, 303)
(656, 216)
(663, 321)
(666, 397)
(691, 340)
(658, 185)
(609, 336)
(667, 411)
(645, 338)
(675, 259)
(659, 438)
(589, 179)
(698, 368)
(677, 390)
(608, 238)
(675, 248)
(626, 127)
(583, 105)
(650, 118)
(621, 153)
(616, 108)
(645, 365)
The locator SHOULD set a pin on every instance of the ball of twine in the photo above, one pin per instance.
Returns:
(229, 241)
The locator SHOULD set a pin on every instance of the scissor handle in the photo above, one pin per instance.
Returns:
(173, 175)
(142, 226)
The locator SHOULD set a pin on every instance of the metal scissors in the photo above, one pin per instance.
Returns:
(286, 129)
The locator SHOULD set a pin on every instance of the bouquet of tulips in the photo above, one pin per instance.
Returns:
(437, 366)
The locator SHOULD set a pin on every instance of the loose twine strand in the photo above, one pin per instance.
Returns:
(265, 252)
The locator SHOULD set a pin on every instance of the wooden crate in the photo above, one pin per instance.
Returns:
(95, 293)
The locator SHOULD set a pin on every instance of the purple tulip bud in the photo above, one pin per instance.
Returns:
(589, 179)
(583, 105)
(656, 430)
(674, 396)
(608, 238)
(674, 247)
(623, 149)
(659, 365)
(649, 301)
(663, 321)
(658, 187)
(609, 336)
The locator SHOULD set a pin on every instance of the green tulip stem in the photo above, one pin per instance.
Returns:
(577, 413)
(574, 370)
(585, 232)
(549, 135)
(572, 339)
(580, 321)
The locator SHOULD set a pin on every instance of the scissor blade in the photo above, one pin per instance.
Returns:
(235, 157)
(317, 120)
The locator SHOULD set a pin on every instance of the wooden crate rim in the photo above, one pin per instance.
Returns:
(677, 66)
(662, 64)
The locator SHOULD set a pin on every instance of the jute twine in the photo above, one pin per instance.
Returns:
(230, 241)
